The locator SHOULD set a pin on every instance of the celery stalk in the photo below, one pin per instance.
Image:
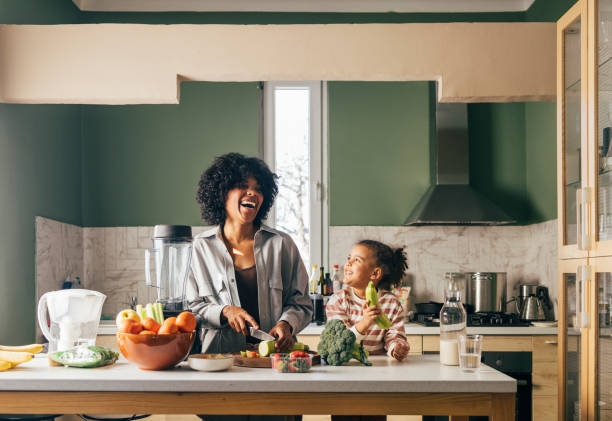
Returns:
(141, 312)
(160, 312)
(150, 311)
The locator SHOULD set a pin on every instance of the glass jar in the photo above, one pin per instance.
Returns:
(452, 325)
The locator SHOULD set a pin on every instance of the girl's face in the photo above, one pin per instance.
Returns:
(243, 202)
(360, 268)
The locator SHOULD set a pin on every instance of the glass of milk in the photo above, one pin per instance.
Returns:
(470, 350)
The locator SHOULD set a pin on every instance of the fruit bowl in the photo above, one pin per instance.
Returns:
(155, 352)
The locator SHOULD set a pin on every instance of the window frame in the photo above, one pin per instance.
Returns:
(319, 220)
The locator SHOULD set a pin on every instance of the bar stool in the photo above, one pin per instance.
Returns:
(113, 417)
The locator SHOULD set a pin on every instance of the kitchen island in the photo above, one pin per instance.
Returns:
(419, 386)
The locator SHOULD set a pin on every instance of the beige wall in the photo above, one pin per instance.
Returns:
(128, 63)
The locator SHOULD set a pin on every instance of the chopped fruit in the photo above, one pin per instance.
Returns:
(4, 365)
(252, 354)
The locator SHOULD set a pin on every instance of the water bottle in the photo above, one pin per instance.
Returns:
(452, 324)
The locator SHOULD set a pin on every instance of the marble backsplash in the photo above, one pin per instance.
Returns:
(111, 260)
(528, 254)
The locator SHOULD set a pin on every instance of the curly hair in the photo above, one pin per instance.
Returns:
(392, 261)
(227, 172)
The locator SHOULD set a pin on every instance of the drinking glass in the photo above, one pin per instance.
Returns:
(470, 349)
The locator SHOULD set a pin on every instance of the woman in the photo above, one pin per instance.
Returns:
(244, 273)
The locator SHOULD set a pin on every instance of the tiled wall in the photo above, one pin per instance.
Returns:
(111, 260)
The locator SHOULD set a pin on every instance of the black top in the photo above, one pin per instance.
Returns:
(246, 281)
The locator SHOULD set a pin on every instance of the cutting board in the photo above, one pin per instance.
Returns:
(266, 362)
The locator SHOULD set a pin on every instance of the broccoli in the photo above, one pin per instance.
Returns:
(338, 345)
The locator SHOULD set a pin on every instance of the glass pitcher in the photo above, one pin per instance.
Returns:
(74, 315)
(452, 322)
(172, 254)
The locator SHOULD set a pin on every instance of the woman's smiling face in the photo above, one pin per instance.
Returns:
(243, 202)
(360, 267)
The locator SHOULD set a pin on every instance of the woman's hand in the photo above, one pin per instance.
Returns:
(238, 319)
(400, 351)
(370, 313)
(282, 332)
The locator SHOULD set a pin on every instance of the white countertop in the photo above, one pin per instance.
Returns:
(107, 327)
(418, 374)
(417, 329)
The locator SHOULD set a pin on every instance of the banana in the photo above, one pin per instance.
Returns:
(4, 365)
(15, 358)
(32, 348)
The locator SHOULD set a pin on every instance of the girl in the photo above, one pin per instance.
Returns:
(372, 261)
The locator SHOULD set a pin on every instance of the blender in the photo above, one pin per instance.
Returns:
(172, 255)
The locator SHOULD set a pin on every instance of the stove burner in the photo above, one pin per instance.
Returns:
(475, 319)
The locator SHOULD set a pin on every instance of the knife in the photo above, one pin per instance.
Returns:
(260, 334)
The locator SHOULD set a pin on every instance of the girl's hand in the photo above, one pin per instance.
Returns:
(239, 319)
(400, 351)
(282, 332)
(370, 313)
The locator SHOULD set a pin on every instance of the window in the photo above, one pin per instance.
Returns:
(294, 148)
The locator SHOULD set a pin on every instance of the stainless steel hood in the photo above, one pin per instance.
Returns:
(452, 201)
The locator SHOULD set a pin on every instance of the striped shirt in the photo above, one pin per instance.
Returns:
(348, 307)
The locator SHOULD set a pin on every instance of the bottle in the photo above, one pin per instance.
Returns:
(314, 279)
(321, 283)
(329, 287)
(452, 324)
(336, 279)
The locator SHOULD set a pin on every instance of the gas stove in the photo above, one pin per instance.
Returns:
(475, 319)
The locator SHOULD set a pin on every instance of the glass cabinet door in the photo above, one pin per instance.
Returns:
(600, 122)
(572, 341)
(600, 342)
(571, 92)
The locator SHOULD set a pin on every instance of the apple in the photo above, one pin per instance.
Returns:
(127, 314)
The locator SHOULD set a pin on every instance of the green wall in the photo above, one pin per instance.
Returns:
(142, 163)
(39, 175)
(379, 136)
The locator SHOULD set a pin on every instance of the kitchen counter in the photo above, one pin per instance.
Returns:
(417, 329)
(418, 386)
(417, 374)
(107, 327)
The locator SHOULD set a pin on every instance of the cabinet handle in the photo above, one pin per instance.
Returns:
(583, 275)
(551, 342)
(583, 218)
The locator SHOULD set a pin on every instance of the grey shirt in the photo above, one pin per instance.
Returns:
(282, 284)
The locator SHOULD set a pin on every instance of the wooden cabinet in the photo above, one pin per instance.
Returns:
(544, 363)
(584, 158)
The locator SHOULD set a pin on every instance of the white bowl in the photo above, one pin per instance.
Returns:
(210, 362)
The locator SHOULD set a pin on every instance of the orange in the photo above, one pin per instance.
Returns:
(146, 332)
(150, 324)
(186, 321)
(168, 327)
(129, 326)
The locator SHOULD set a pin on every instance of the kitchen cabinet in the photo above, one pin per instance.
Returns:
(584, 186)
(543, 350)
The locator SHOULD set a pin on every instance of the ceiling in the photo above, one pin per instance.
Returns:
(337, 6)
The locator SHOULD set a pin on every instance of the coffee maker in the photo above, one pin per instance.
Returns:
(172, 255)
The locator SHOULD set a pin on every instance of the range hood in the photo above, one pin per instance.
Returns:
(452, 201)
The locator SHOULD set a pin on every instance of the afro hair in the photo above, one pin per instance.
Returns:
(227, 172)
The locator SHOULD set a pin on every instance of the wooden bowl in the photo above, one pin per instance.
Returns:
(155, 352)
